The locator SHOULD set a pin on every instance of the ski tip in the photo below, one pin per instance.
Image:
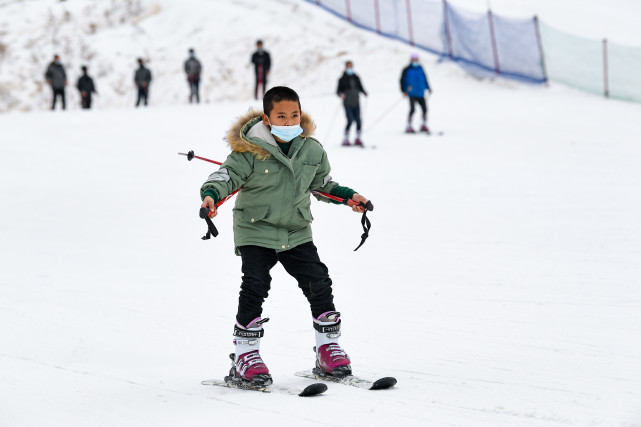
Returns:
(383, 383)
(313, 390)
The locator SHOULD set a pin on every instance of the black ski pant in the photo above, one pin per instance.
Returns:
(353, 115)
(421, 102)
(193, 90)
(143, 93)
(301, 262)
(59, 92)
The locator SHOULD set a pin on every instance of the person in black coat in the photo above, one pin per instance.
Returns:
(350, 88)
(192, 69)
(86, 88)
(262, 63)
(142, 78)
(57, 79)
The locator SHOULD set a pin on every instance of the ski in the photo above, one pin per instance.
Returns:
(439, 133)
(311, 390)
(350, 380)
(361, 146)
(262, 383)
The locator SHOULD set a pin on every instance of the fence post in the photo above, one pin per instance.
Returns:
(348, 11)
(377, 13)
(410, 29)
(448, 35)
(606, 83)
(490, 19)
(541, 53)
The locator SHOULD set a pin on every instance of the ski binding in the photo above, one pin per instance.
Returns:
(262, 383)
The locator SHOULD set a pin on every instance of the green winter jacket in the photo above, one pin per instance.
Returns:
(273, 207)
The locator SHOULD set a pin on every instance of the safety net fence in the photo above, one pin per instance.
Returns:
(597, 66)
(486, 43)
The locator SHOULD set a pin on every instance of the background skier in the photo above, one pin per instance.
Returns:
(262, 63)
(193, 69)
(142, 78)
(414, 84)
(272, 223)
(57, 79)
(86, 88)
(350, 88)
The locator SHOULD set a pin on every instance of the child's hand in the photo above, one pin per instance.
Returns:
(355, 201)
(209, 203)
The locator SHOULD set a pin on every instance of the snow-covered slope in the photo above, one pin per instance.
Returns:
(308, 48)
(500, 282)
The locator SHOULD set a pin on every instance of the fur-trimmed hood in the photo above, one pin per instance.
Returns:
(250, 126)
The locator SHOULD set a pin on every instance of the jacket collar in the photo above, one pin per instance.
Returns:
(248, 130)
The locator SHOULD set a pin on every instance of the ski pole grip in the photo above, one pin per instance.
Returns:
(368, 206)
(204, 213)
(211, 228)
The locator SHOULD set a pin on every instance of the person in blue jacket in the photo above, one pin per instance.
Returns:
(413, 85)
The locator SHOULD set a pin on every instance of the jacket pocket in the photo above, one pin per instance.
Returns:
(265, 176)
(255, 213)
(306, 213)
(266, 168)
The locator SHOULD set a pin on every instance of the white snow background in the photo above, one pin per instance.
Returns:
(500, 284)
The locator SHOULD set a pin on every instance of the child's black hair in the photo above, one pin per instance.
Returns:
(277, 94)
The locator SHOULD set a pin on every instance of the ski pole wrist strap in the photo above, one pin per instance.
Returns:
(211, 228)
(365, 223)
(366, 226)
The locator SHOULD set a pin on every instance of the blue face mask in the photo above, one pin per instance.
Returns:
(349, 71)
(414, 64)
(286, 133)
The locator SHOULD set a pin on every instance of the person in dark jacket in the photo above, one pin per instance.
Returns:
(413, 85)
(350, 88)
(57, 79)
(262, 63)
(142, 78)
(193, 69)
(86, 88)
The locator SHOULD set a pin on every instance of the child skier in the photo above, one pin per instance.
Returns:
(278, 163)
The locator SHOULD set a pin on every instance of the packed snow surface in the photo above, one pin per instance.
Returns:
(500, 284)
